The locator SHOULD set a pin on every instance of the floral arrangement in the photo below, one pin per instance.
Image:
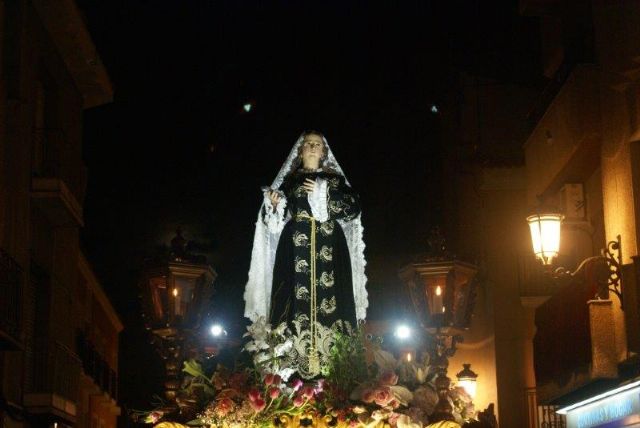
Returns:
(351, 392)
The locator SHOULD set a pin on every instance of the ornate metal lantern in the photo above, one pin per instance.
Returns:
(442, 291)
(176, 289)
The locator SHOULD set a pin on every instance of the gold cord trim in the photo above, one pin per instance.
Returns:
(314, 358)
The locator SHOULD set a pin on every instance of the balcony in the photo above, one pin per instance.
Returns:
(97, 368)
(53, 197)
(54, 389)
(56, 186)
(564, 146)
(543, 416)
(574, 348)
(11, 289)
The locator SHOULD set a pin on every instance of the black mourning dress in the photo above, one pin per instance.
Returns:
(292, 273)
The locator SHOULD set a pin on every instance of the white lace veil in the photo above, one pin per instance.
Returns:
(257, 294)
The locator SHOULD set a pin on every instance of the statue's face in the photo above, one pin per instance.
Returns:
(312, 151)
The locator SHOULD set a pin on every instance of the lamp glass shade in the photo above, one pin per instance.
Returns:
(545, 235)
(468, 380)
(469, 386)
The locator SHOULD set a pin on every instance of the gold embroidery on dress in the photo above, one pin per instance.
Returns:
(300, 239)
(326, 253)
(299, 191)
(301, 265)
(336, 206)
(326, 228)
(328, 306)
(302, 293)
(326, 279)
(302, 213)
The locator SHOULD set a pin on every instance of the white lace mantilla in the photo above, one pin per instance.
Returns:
(269, 225)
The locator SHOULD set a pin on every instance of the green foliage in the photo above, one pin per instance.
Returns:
(348, 363)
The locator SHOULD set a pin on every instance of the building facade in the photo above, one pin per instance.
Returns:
(58, 332)
(569, 140)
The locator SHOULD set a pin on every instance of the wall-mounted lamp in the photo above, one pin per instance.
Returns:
(545, 238)
(468, 379)
(545, 235)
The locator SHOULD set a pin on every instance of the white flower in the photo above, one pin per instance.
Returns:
(285, 374)
(283, 348)
(260, 329)
(420, 373)
(281, 329)
(380, 414)
(385, 360)
(405, 421)
(261, 357)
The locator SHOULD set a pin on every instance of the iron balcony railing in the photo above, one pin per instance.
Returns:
(56, 370)
(542, 416)
(11, 288)
(96, 367)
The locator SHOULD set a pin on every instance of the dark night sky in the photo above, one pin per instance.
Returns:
(174, 148)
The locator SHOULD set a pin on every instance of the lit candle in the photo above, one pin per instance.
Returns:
(437, 300)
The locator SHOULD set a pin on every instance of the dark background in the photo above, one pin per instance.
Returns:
(175, 148)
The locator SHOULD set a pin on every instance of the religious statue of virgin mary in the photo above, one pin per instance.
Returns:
(307, 263)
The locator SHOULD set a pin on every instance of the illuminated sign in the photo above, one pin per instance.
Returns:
(619, 407)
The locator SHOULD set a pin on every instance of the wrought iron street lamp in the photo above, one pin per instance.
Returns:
(468, 379)
(545, 235)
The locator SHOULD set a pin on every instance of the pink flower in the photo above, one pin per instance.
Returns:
(389, 378)
(274, 392)
(308, 392)
(320, 385)
(268, 379)
(272, 379)
(383, 396)
(296, 384)
(368, 395)
(258, 405)
(223, 407)
(394, 404)
(393, 419)
(298, 401)
(254, 395)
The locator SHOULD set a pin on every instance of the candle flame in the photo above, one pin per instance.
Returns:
(438, 291)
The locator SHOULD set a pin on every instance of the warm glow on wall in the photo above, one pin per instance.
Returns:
(545, 235)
